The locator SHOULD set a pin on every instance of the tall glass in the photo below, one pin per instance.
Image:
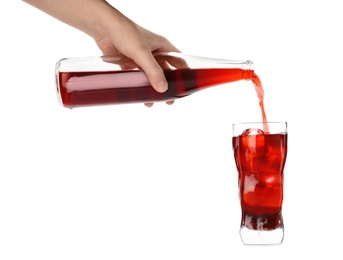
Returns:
(260, 151)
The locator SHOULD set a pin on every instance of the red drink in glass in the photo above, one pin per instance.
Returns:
(260, 159)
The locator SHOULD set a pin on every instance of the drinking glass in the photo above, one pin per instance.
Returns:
(260, 151)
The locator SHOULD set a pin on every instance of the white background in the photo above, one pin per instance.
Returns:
(130, 182)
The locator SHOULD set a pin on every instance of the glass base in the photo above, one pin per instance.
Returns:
(261, 237)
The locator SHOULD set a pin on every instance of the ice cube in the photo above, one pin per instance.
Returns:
(250, 182)
(252, 131)
(258, 164)
(253, 141)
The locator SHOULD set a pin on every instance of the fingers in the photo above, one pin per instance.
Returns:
(151, 104)
(148, 104)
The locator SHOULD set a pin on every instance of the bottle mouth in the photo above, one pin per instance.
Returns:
(248, 65)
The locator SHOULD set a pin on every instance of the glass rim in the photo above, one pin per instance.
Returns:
(260, 122)
(271, 127)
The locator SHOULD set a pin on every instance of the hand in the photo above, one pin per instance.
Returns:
(138, 44)
(127, 38)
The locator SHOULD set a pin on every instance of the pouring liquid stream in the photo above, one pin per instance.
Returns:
(260, 94)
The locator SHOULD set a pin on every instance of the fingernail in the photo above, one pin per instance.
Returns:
(162, 86)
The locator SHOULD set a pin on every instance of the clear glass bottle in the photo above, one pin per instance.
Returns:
(106, 80)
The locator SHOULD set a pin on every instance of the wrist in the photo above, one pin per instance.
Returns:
(104, 19)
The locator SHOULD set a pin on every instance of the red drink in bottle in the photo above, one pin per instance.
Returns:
(102, 81)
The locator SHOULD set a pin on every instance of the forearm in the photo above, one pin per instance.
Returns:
(89, 16)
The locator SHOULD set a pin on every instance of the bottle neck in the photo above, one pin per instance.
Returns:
(248, 70)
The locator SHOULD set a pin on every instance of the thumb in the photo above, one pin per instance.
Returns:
(153, 71)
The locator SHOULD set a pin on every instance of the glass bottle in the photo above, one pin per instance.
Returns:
(105, 80)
